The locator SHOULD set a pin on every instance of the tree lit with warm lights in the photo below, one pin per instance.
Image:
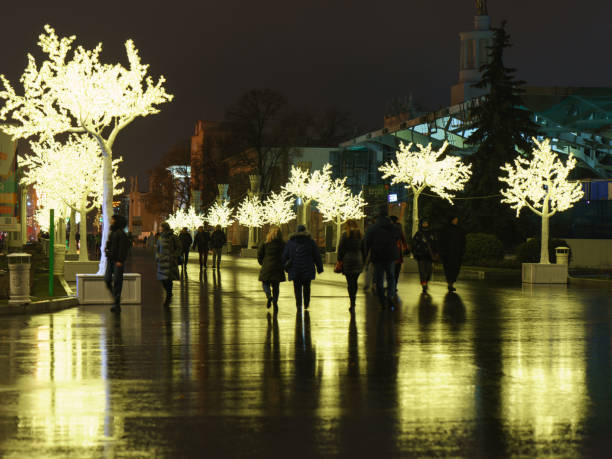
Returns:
(338, 205)
(541, 184)
(72, 91)
(181, 218)
(220, 214)
(426, 168)
(308, 186)
(278, 208)
(250, 213)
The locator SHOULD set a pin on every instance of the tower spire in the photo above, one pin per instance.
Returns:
(481, 8)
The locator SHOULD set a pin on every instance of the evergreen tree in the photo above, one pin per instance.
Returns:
(502, 127)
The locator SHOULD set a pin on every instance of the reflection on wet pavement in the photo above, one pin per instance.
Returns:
(494, 370)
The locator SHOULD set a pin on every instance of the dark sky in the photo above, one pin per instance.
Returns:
(353, 54)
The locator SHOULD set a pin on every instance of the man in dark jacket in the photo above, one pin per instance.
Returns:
(201, 241)
(381, 244)
(186, 241)
(217, 241)
(116, 251)
(452, 247)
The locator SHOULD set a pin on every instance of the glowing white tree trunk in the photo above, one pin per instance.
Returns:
(544, 256)
(338, 232)
(415, 211)
(305, 213)
(72, 237)
(83, 255)
(107, 203)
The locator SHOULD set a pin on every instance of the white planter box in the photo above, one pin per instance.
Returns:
(72, 268)
(248, 253)
(331, 258)
(91, 289)
(537, 273)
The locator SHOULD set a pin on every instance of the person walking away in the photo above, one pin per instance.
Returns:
(452, 248)
(116, 252)
(351, 253)
(167, 252)
(186, 241)
(381, 243)
(201, 242)
(269, 256)
(217, 241)
(424, 248)
(402, 246)
(300, 258)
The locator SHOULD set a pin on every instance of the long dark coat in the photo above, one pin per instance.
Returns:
(167, 253)
(424, 244)
(304, 255)
(351, 254)
(452, 244)
(381, 241)
(269, 256)
(201, 241)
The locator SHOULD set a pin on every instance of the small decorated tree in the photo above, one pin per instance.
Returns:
(338, 205)
(424, 168)
(278, 208)
(541, 185)
(70, 172)
(308, 187)
(220, 214)
(73, 92)
(250, 213)
(189, 219)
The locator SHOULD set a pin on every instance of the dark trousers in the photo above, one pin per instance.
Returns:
(425, 270)
(185, 257)
(382, 270)
(301, 289)
(167, 283)
(217, 257)
(398, 270)
(272, 290)
(203, 258)
(451, 270)
(351, 282)
(114, 280)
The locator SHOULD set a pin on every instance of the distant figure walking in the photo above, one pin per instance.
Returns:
(424, 248)
(381, 243)
(300, 258)
(217, 241)
(186, 241)
(201, 242)
(167, 254)
(402, 246)
(269, 256)
(116, 252)
(351, 252)
(452, 248)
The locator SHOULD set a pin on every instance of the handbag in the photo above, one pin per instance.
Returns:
(338, 267)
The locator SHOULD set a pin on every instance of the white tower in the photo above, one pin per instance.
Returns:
(474, 54)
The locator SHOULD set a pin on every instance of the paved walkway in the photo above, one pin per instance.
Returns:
(496, 370)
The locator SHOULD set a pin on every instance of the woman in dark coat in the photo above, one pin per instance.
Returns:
(167, 254)
(452, 247)
(300, 257)
(424, 248)
(270, 256)
(351, 254)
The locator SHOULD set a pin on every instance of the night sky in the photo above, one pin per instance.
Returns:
(355, 55)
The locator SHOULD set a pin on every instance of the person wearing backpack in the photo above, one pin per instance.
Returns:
(300, 258)
(351, 255)
(425, 250)
(269, 256)
(381, 243)
(217, 241)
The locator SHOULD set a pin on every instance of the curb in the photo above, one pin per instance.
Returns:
(39, 307)
(586, 282)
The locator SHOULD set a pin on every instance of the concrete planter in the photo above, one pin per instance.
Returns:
(248, 253)
(91, 289)
(537, 273)
(72, 268)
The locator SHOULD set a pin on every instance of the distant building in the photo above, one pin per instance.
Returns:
(141, 222)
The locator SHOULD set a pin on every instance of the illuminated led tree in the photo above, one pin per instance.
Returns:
(338, 205)
(541, 185)
(189, 219)
(250, 213)
(72, 91)
(278, 208)
(70, 172)
(308, 187)
(219, 214)
(423, 168)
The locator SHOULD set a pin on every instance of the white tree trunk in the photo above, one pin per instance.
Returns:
(72, 238)
(544, 258)
(251, 242)
(107, 206)
(304, 218)
(83, 255)
(415, 212)
(338, 233)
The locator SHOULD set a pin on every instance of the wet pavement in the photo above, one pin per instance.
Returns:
(497, 370)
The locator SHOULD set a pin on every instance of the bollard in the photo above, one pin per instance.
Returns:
(60, 256)
(562, 254)
(19, 272)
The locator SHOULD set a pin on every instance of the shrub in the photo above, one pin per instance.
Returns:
(482, 248)
(529, 251)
